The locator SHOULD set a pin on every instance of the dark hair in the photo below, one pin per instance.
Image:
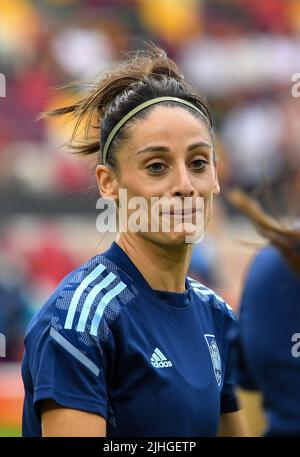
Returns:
(287, 240)
(142, 75)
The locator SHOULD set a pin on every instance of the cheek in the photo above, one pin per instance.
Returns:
(127, 180)
(205, 184)
(135, 187)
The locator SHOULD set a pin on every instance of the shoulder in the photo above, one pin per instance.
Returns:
(269, 264)
(269, 282)
(268, 259)
(211, 298)
(88, 300)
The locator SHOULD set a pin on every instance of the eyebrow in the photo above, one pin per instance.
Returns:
(201, 144)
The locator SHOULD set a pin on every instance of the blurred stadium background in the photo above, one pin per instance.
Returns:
(240, 53)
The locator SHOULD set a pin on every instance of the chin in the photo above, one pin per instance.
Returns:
(172, 238)
(181, 238)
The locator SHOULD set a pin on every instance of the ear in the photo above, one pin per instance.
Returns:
(107, 182)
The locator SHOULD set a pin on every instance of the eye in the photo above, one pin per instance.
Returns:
(156, 167)
(199, 164)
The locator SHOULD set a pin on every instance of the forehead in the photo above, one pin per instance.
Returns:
(169, 124)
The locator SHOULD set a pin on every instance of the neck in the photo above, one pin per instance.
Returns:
(163, 266)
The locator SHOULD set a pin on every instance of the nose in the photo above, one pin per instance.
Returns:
(182, 186)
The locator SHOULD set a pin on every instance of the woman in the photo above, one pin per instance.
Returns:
(269, 325)
(127, 345)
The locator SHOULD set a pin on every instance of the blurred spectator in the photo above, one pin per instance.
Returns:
(82, 52)
(251, 136)
(14, 310)
(202, 265)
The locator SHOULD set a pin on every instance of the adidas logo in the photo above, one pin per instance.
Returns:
(158, 360)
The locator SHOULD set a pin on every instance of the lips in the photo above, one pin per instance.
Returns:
(180, 212)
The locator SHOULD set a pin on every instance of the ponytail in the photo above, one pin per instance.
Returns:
(141, 76)
(287, 240)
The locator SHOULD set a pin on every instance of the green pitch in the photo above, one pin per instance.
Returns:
(9, 431)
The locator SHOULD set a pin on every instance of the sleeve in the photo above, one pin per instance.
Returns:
(70, 368)
(242, 373)
(252, 312)
(229, 402)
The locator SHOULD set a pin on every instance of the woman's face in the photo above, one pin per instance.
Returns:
(169, 154)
